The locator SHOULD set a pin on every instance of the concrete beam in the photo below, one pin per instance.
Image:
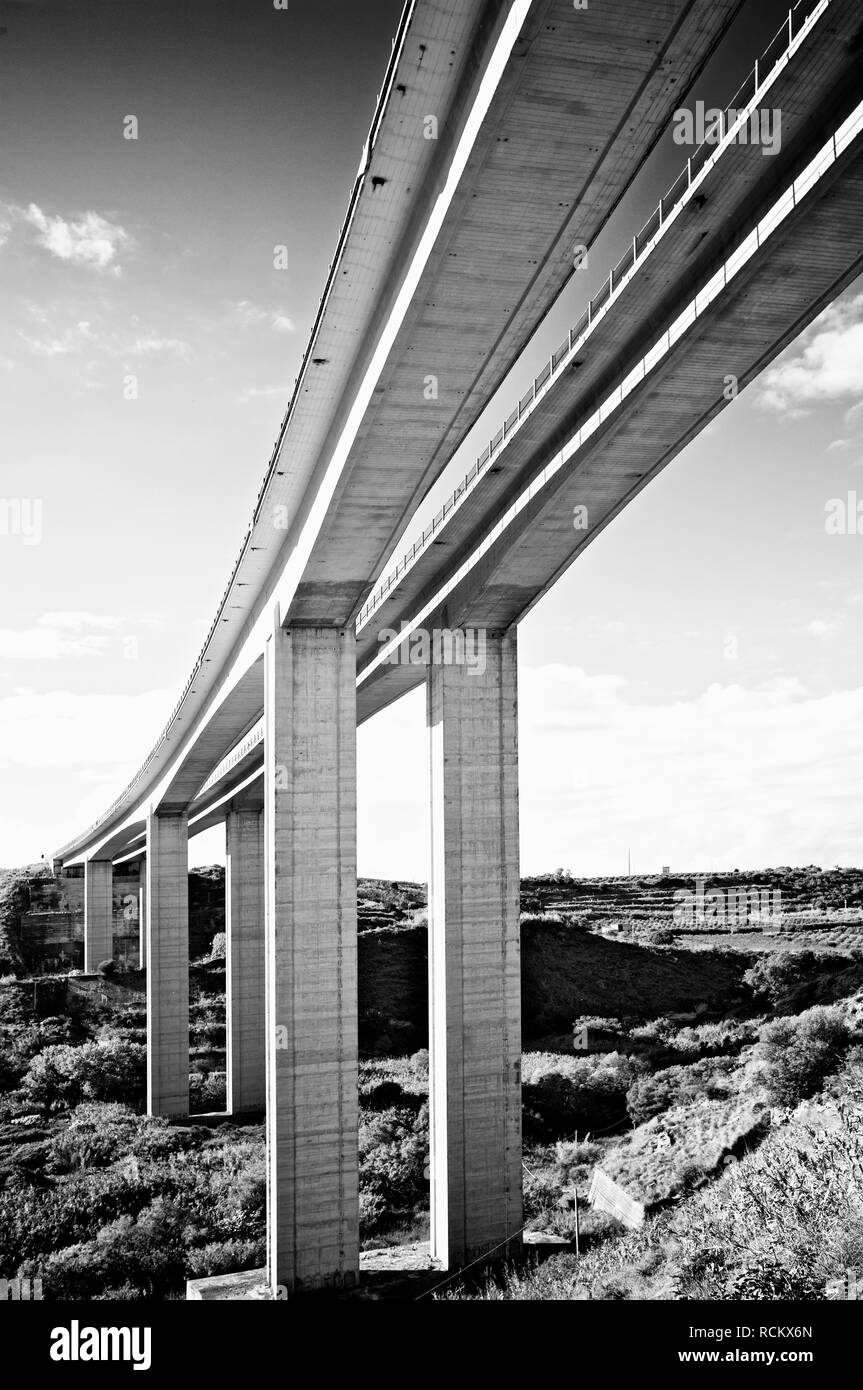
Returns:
(244, 986)
(98, 913)
(474, 958)
(311, 951)
(167, 895)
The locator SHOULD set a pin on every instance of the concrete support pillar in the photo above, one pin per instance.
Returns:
(142, 917)
(474, 957)
(167, 900)
(244, 986)
(311, 954)
(98, 912)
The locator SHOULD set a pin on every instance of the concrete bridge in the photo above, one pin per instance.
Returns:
(506, 133)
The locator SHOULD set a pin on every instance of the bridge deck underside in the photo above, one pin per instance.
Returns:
(783, 287)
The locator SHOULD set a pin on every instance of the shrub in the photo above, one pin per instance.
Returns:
(709, 1039)
(394, 1155)
(225, 1257)
(650, 1095)
(145, 1253)
(766, 1279)
(562, 1094)
(207, 1091)
(798, 1054)
(99, 1133)
(795, 980)
(573, 1155)
(219, 947)
(109, 1069)
(384, 1095)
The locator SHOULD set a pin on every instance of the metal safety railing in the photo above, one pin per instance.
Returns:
(759, 78)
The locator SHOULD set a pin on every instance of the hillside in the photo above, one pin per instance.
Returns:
(712, 1074)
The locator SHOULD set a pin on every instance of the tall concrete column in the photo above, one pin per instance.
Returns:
(98, 913)
(474, 957)
(311, 952)
(142, 916)
(167, 894)
(244, 985)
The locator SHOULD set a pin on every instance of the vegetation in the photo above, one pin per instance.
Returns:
(800, 1053)
(719, 1081)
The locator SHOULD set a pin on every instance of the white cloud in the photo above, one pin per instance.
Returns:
(151, 345)
(104, 340)
(47, 644)
(822, 629)
(91, 240)
(253, 316)
(253, 393)
(826, 364)
(77, 621)
(735, 777)
(80, 335)
(61, 634)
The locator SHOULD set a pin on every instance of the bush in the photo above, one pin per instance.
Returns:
(226, 1257)
(767, 1279)
(796, 980)
(207, 1092)
(798, 1054)
(562, 1095)
(99, 1133)
(650, 1095)
(710, 1039)
(394, 1156)
(109, 1069)
(219, 947)
(384, 1095)
(145, 1253)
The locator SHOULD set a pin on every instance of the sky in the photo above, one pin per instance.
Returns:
(691, 691)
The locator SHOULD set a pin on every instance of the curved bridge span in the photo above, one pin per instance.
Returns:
(506, 133)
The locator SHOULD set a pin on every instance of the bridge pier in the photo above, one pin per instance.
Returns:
(167, 900)
(311, 958)
(474, 958)
(142, 916)
(98, 913)
(244, 982)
